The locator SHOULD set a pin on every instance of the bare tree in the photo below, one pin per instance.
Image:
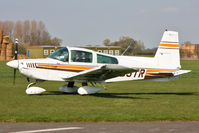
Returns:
(33, 33)
(11, 29)
(19, 30)
(26, 31)
(5, 27)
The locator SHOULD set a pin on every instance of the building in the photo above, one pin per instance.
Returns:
(112, 50)
(189, 51)
(40, 51)
(45, 51)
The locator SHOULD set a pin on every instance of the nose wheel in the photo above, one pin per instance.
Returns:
(34, 90)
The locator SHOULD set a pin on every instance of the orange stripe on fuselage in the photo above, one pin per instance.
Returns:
(152, 73)
(64, 66)
(156, 71)
(169, 45)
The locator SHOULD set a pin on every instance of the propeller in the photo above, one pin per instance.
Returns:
(15, 58)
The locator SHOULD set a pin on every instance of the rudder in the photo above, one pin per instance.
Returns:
(168, 55)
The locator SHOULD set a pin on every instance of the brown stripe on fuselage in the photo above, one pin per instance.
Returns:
(160, 74)
(152, 77)
(66, 66)
(59, 69)
(155, 73)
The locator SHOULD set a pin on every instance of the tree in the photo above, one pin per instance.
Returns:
(19, 30)
(106, 42)
(45, 38)
(187, 42)
(43, 35)
(26, 32)
(125, 42)
(33, 33)
(56, 41)
(138, 47)
(29, 32)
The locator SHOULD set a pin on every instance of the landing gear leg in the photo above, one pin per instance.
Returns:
(71, 84)
(103, 86)
(36, 82)
(84, 84)
(69, 88)
(93, 84)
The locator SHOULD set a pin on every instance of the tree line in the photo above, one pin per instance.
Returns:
(134, 47)
(35, 33)
(29, 32)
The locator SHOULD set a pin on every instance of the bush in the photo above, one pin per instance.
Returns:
(21, 49)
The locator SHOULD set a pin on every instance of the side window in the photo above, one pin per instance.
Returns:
(45, 52)
(105, 51)
(100, 51)
(111, 52)
(81, 56)
(117, 52)
(106, 59)
(52, 51)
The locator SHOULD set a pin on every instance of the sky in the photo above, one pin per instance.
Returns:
(90, 22)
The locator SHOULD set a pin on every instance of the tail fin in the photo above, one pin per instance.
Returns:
(168, 55)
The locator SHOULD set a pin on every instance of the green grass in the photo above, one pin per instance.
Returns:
(124, 101)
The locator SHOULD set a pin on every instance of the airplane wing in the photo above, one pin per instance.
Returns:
(100, 73)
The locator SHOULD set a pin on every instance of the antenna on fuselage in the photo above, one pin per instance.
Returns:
(128, 47)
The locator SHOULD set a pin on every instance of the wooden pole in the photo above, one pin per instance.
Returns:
(9, 51)
(4, 45)
(1, 38)
(3, 51)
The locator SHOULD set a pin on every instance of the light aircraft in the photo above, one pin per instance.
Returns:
(73, 64)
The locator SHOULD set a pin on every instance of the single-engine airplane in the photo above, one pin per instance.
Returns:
(72, 64)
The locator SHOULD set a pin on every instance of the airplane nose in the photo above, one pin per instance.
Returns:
(13, 64)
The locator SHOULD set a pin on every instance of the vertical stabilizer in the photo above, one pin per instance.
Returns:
(168, 55)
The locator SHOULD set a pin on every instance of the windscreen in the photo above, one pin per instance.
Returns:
(60, 54)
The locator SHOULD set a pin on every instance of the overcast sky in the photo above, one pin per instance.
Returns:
(89, 22)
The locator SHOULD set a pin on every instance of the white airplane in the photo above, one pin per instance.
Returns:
(72, 64)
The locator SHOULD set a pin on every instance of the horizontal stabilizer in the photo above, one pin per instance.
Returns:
(179, 72)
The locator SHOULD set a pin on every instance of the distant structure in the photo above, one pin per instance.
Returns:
(40, 51)
(189, 51)
(112, 50)
(5, 47)
(45, 51)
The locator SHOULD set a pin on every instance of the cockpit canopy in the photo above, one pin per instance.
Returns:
(81, 56)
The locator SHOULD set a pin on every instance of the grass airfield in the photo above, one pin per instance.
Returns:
(123, 101)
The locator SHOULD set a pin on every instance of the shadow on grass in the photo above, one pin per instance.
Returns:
(158, 93)
(117, 95)
(57, 93)
(125, 95)
(105, 95)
